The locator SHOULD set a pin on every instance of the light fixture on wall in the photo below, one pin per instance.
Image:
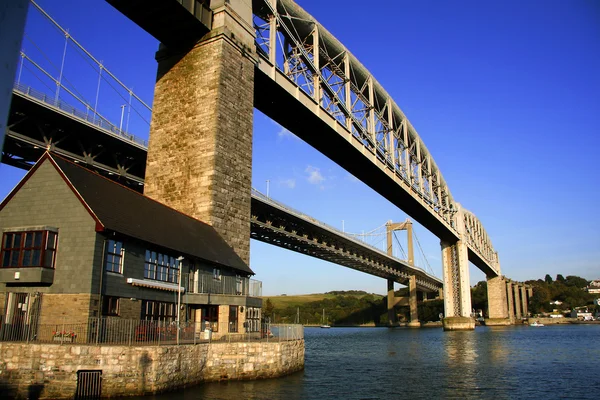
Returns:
(241, 309)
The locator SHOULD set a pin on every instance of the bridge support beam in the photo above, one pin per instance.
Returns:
(457, 291)
(497, 302)
(412, 301)
(517, 303)
(391, 302)
(524, 301)
(509, 296)
(200, 147)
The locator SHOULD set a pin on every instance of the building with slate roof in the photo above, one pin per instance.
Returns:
(76, 246)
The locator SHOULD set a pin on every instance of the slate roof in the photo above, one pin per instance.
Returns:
(120, 209)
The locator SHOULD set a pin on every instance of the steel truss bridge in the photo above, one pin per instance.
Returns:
(310, 84)
(38, 123)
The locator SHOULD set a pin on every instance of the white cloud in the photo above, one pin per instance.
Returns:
(352, 178)
(314, 175)
(284, 133)
(289, 183)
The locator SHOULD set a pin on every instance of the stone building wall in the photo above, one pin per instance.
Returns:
(51, 369)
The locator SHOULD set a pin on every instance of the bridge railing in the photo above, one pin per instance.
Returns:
(88, 116)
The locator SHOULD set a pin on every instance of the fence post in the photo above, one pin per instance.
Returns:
(97, 330)
(130, 331)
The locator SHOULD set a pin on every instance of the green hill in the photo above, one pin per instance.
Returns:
(341, 308)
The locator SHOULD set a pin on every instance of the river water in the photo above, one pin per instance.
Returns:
(549, 362)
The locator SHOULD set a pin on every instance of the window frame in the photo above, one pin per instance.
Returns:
(47, 248)
(107, 302)
(112, 255)
(159, 311)
(161, 267)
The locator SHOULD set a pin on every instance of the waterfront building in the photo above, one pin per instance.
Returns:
(76, 246)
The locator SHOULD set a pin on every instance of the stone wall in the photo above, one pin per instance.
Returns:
(51, 369)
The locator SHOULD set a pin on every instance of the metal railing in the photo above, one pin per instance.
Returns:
(89, 115)
(230, 285)
(128, 332)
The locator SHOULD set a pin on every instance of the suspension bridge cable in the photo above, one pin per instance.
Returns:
(399, 244)
(367, 233)
(66, 89)
(50, 61)
(429, 269)
(102, 68)
(88, 53)
(36, 75)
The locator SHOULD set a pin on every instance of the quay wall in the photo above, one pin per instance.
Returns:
(49, 371)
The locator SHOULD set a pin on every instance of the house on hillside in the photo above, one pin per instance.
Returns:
(594, 286)
(76, 246)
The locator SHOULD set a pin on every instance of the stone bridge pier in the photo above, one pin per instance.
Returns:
(200, 148)
(507, 301)
(498, 302)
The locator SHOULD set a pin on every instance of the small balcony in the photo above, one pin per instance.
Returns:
(224, 285)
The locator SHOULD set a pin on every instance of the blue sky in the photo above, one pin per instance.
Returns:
(506, 96)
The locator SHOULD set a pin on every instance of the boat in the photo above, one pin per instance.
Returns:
(536, 323)
(324, 325)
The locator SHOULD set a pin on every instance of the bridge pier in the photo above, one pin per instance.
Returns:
(391, 302)
(517, 303)
(524, 301)
(498, 309)
(412, 301)
(457, 291)
(200, 147)
(510, 302)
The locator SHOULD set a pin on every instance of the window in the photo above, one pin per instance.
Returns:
(161, 267)
(252, 319)
(114, 256)
(29, 249)
(217, 274)
(233, 319)
(157, 310)
(110, 306)
(211, 317)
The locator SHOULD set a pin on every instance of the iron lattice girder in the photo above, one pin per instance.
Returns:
(376, 120)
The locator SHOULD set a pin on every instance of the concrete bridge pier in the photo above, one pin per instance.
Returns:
(457, 291)
(391, 302)
(200, 148)
(498, 308)
(524, 301)
(457, 288)
(509, 297)
(412, 301)
(517, 303)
